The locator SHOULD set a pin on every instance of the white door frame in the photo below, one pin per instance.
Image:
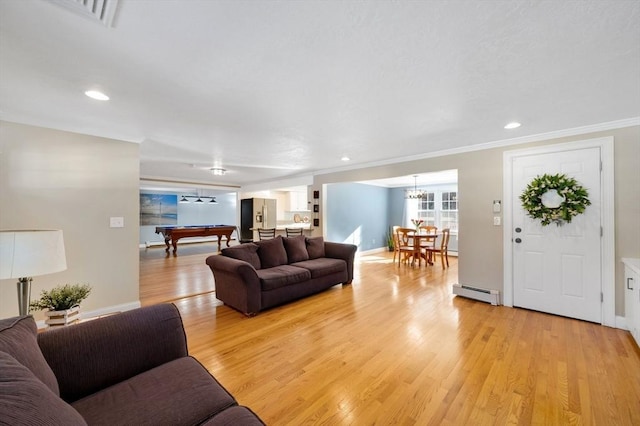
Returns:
(607, 242)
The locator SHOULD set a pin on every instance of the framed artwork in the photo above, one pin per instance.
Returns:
(316, 194)
(316, 208)
(316, 222)
(158, 209)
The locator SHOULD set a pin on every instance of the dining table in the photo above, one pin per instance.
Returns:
(418, 237)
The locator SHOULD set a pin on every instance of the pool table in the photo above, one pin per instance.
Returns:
(173, 233)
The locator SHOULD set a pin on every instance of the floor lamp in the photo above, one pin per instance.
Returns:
(29, 253)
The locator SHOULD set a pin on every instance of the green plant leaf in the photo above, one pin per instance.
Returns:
(61, 297)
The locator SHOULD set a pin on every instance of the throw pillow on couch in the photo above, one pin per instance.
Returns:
(272, 252)
(277, 251)
(296, 248)
(315, 247)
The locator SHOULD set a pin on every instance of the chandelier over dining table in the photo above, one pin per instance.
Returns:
(415, 193)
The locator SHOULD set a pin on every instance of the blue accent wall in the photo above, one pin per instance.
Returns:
(396, 206)
(357, 214)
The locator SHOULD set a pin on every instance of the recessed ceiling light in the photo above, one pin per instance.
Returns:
(218, 171)
(345, 158)
(94, 94)
(512, 125)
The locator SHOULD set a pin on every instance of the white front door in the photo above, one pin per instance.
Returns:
(557, 269)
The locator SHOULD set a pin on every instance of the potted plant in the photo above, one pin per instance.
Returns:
(62, 303)
(390, 239)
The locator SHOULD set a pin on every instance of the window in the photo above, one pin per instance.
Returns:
(426, 209)
(449, 211)
(438, 208)
(449, 201)
(427, 203)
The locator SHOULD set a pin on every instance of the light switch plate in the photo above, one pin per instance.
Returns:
(496, 220)
(116, 222)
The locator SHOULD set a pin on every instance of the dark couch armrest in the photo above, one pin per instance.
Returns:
(346, 252)
(96, 354)
(237, 283)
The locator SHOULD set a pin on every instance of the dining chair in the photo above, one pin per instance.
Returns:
(292, 232)
(396, 242)
(405, 244)
(428, 229)
(266, 233)
(444, 246)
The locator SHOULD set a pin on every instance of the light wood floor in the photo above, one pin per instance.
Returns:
(396, 347)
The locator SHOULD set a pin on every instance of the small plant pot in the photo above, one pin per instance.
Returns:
(62, 318)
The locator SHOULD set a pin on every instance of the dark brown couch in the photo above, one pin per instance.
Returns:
(252, 277)
(127, 369)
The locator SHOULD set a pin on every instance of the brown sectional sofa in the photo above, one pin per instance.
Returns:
(252, 277)
(127, 369)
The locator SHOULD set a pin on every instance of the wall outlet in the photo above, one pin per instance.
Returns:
(116, 222)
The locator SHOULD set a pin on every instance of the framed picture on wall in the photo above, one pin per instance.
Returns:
(316, 194)
(316, 222)
(158, 209)
(316, 208)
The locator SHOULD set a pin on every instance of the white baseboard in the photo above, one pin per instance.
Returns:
(96, 313)
(110, 310)
(621, 322)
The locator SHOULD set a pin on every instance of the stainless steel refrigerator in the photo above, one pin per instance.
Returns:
(256, 213)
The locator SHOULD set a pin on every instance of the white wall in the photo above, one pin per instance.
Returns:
(59, 180)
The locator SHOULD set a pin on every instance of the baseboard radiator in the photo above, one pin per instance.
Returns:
(477, 293)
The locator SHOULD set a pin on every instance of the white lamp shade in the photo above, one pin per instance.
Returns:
(29, 253)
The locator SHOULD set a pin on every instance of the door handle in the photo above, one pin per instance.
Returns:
(518, 240)
(628, 281)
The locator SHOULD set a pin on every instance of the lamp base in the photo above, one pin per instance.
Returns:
(24, 295)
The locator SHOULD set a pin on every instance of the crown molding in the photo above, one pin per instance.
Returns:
(610, 125)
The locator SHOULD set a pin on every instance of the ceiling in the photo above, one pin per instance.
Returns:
(272, 90)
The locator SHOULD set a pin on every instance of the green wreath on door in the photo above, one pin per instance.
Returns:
(554, 199)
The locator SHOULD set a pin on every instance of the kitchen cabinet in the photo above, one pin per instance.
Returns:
(298, 201)
(632, 296)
